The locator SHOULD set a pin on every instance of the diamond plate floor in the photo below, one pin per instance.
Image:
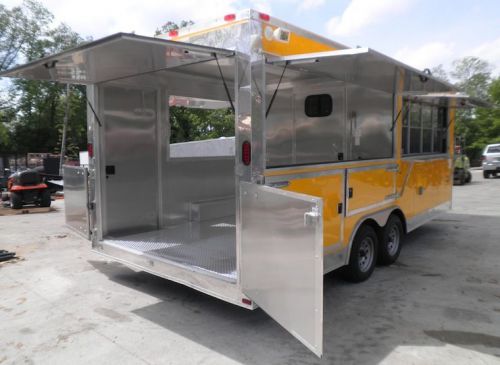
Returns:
(208, 246)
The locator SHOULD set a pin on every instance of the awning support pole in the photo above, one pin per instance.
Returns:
(93, 111)
(224, 83)
(276, 91)
(399, 113)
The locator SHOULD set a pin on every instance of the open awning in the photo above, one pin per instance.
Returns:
(462, 101)
(367, 68)
(118, 56)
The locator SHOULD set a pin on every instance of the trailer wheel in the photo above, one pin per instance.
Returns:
(486, 174)
(363, 255)
(45, 198)
(391, 238)
(16, 200)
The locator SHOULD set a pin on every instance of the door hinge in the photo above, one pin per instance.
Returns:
(312, 217)
(340, 208)
(351, 192)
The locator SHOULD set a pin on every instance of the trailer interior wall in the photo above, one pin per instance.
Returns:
(179, 210)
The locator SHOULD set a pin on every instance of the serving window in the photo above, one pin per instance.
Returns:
(424, 129)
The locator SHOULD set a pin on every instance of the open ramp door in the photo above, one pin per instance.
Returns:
(282, 259)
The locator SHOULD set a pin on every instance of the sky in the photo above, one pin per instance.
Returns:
(422, 33)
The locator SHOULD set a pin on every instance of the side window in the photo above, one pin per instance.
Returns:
(427, 126)
(200, 127)
(406, 131)
(317, 106)
(415, 128)
(441, 129)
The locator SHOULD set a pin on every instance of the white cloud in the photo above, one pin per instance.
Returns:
(427, 55)
(431, 54)
(361, 13)
(99, 18)
(260, 5)
(488, 51)
(310, 4)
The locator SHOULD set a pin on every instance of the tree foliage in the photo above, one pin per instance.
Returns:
(481, 126)
(168, 26)
(33, 111)
(189, 124)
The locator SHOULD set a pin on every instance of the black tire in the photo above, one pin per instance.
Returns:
(391, 240)
(468, 179)
(45, 198)
(363, 255)
(16, 200)
(486, 174)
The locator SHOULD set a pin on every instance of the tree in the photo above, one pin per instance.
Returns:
(168, 26)
(34, 112)
(473, 76)
(440, 73)
(19, 28)
(479, 126)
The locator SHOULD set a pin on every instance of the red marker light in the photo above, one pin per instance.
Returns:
(246, 301)
(265, 17)
(90, 150)
(246, 153)
(229, 17)
(173, 33)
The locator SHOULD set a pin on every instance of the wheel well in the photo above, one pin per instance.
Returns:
(376, 226)
(401, 216)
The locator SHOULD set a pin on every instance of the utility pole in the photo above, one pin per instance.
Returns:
(65, 128)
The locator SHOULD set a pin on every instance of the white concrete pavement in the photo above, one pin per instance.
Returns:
(439, 304)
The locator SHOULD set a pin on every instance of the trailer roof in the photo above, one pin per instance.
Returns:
(117, 56)
(369, 68)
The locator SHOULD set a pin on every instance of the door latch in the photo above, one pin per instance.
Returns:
(312, 217)
(351, 192)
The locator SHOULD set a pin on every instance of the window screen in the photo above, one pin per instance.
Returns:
(318, 105)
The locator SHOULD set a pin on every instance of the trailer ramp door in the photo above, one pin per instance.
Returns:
(282, 259)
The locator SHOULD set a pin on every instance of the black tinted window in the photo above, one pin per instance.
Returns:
(318, 105)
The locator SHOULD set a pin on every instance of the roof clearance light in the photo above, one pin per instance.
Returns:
(265, 17)
(173, 33)
(229, 17)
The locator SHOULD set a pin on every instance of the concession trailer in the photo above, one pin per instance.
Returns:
(337, 153)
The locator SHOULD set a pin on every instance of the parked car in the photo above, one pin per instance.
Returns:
(491, 160)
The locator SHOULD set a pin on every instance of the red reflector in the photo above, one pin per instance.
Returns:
(265, 17)
(229, 17)
(173, 33)
(246, 301)
(90, 150)
(246, 153)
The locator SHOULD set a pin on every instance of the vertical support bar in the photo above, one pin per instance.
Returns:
(94, 136)
(65, 129)
(249, 118)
